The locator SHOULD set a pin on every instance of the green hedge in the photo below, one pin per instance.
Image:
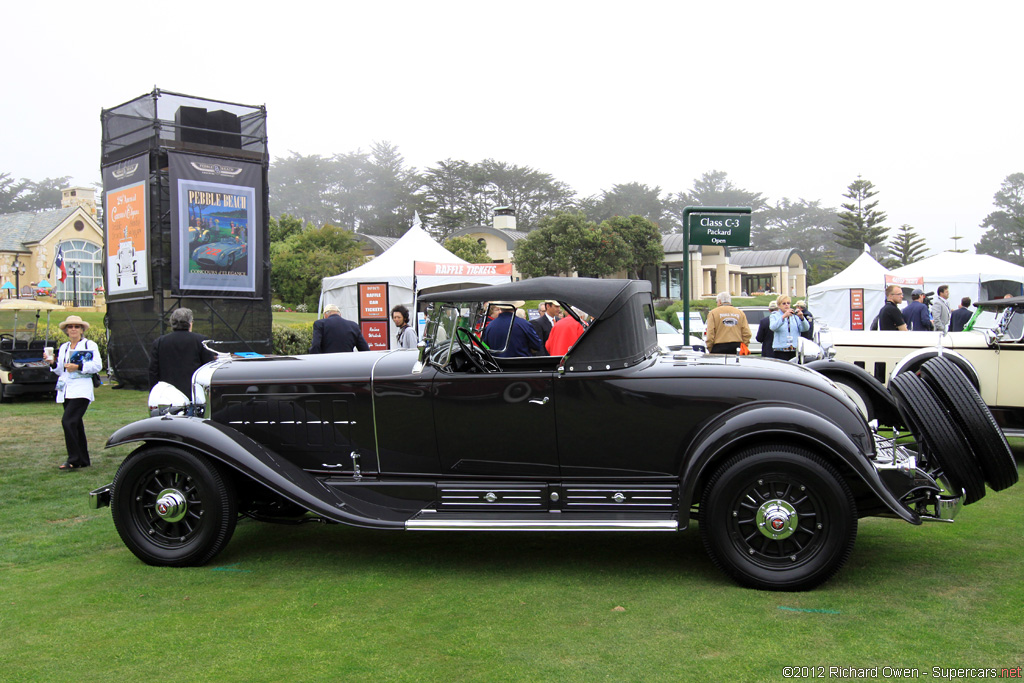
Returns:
(292, 340)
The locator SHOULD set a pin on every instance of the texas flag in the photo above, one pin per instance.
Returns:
(58, 262)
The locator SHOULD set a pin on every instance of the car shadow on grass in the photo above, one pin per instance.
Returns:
(649, 555)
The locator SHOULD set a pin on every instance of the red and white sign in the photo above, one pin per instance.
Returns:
(856, 309)
(373, 301)
(376, 335)
(904, 281)
(463, 269)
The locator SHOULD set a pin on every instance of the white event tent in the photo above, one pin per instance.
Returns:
(830, 301)
(397, 268)
(978, 276)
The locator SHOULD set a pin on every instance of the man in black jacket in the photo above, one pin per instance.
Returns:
(334, 334)
(179, 354)
(544, 323)
(764, 333)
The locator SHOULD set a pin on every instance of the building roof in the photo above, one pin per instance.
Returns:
(22, 228)
(379, 243)
(510, 236)
(750, 258)
(673, 244)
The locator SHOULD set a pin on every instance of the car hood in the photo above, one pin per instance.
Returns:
(315, 368)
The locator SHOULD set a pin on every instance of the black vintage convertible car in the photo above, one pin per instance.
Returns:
(774, 461)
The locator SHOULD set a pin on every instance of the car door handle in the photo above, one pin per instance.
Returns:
(540, 401)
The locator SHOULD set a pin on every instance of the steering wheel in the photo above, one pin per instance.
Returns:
(4, 335)
(475, 351)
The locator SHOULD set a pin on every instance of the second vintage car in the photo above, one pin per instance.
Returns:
(773, 460)
(991, 353)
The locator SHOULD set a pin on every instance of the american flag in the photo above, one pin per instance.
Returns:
(58, 262)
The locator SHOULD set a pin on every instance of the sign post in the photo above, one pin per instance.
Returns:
(720, 226)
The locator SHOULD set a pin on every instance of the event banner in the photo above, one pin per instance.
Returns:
(462, 269)
(126, 226)
(373, 314)
(215, 217)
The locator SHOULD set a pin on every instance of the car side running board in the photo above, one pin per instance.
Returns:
(428, 521)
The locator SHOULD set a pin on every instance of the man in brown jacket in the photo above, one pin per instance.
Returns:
(727, 326)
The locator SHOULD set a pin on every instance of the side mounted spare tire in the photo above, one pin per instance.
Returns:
(943, 442)
(964, 403)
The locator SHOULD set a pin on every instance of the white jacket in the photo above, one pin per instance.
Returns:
(77, 384)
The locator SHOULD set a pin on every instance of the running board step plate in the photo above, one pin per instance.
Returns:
(432, 521)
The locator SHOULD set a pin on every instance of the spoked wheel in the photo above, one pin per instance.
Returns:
(943, 442)
(778, 518)
(974, 418)
(172, 507)
(475, 351)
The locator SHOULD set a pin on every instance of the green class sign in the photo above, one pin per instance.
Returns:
(720, 230)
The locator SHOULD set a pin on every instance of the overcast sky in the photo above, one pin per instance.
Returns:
(790, 99)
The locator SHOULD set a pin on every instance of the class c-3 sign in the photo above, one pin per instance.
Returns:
(720, 230)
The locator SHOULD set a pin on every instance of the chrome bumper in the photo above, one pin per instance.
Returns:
(100, 498)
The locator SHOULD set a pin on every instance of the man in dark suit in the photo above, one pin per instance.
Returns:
(334, 334)
(961, 316)
(544, 323)
(176, 356)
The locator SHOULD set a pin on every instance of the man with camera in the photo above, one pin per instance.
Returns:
(916, 313)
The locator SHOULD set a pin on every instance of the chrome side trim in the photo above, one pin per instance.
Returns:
(373, 409)
(540, 525)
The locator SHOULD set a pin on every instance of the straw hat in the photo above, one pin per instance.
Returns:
(74, 320)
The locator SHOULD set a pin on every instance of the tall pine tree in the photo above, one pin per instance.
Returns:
(861, 222)
(906, 247)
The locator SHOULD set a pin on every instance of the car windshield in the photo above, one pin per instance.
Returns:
(666, 328)
(754, 315)
(442, 322)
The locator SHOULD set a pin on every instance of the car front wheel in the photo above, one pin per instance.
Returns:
(172, 507)
(778, 518)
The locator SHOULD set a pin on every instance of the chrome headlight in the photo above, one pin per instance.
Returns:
(201, 381)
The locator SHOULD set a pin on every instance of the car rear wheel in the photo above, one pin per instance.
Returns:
(974, 418)
(942, 441)
(172, 507)
(778, 518)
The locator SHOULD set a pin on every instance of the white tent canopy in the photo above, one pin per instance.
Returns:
(396, 267)
(830, 301)
(978, 276)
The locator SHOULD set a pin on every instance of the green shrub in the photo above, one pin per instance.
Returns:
(292, 340)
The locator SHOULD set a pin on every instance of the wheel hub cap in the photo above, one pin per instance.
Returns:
(777, 519)
(171, 505)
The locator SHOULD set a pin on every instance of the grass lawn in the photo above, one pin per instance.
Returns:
(330, 603)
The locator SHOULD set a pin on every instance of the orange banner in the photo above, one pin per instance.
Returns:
(463, 269)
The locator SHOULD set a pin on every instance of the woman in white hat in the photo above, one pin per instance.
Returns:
(76, 362)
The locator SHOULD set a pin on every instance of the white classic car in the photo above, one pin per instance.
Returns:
(991, 352)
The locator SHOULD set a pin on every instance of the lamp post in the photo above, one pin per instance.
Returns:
(19, 270)
(75, 269)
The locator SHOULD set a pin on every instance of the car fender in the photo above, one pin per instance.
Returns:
(239, 452)
(915, 359)
(759, 422)
(884, 403)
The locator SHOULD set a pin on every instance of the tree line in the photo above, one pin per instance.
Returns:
(318, 202)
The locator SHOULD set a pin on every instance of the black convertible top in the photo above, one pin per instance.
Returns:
(593, 296)
(622, 333)
(1016, 301)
